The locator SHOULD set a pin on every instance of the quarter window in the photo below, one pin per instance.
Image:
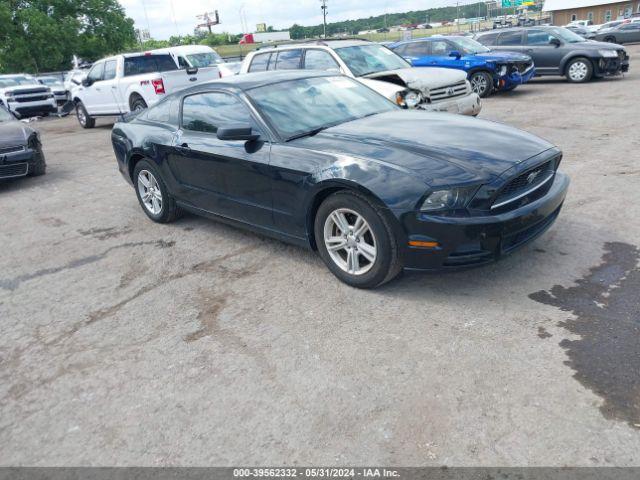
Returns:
(288, 60)
(260, 62)
(205, 112)
(510, 38)
(319, 60)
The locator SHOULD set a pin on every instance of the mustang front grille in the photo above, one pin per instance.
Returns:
(14, 170)
(449, 91)
(525, 184)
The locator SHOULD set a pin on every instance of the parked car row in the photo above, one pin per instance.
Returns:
(24, 95)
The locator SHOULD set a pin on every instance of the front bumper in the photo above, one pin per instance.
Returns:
(611, 66)
(466, 105)
(20, 163)
(33, 108)
(512, 80)
(471, 241)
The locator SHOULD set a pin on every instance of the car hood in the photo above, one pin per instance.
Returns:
(13, 133)
(422, 79)
(27, 89)
(440, 148)
(592, 45)
(495, 56)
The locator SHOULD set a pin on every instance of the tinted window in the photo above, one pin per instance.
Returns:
(489, 39)
(160, 113)
(288, 60)
(148, 64)
(416, 49)
(96, 72)
(319, 60)
(260, 62)
(538, 37)
(205, 112)
(110, 70)
(510, 38)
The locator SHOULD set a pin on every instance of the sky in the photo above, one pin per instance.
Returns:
(171, 17)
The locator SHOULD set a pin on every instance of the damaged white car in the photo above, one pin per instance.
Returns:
(437, 89)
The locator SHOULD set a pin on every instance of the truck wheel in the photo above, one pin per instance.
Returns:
(481, 83)
(138, 104)
(83, 116)
(579, 70)
(610, 39)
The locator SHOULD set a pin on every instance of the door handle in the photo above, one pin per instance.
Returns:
(184, 147)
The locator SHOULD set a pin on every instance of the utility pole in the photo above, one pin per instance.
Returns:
(458, 14)
(324, 17)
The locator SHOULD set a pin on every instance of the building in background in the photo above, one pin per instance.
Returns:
(598, 11)
(261, 27)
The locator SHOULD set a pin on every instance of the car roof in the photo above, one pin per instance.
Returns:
(317, 43)
(515, 29)
(248, 81)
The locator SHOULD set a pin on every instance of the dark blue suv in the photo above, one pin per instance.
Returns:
(487, 70)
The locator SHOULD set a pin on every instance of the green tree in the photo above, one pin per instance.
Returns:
(43, 35)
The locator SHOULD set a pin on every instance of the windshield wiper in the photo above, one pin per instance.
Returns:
(310, 133)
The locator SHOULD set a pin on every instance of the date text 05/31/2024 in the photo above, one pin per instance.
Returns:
(315, 472)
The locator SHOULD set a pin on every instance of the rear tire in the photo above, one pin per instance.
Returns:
(579, 70)
(610, 39)
(84, 119)
(481, 83)
(362, 252)
(153, 194)
(138, 104)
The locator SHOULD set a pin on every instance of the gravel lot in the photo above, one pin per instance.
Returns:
(130, 343)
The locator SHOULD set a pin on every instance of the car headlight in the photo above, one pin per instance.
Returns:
(408, 98)
(502, 70)
(608, 53)
(450, 199)
(9, 95)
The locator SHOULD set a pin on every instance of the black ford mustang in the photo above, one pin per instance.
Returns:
(322, 161)
(20, 148)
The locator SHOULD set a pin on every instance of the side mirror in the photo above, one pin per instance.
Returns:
(191, 70)
(555, 42)
(238, 131)
(456, 54)
(87, 82)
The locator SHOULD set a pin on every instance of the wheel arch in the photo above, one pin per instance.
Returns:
(327, 188)
(134, 158)
(133, 96)
(572, 56)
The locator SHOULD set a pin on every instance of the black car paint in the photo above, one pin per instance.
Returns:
(273, 186)
(19, 145)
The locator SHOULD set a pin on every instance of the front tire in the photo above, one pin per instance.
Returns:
(610, 39)
(39, 167)
(579, 70)
(153, 195)
(84, 119)
(481, 83)
(355, 240)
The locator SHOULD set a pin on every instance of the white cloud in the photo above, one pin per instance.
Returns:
(170, 17)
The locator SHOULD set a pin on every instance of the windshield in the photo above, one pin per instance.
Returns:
(302, 106)
(206, 59)
(567, 35)
(469, 45)
(366, 59)
(5, 116)
(16, 81)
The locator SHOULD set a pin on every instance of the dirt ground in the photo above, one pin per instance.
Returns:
(130, 343)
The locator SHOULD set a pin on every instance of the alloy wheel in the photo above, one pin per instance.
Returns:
(479, 84)
(150, 193)
(349, 241)
(578, 71)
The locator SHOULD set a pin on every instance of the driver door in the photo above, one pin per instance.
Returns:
(93, 94)
(546, 57)
(228, 178)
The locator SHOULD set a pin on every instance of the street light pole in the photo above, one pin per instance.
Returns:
(324, 18)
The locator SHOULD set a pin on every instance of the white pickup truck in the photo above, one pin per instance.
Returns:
(22, 94)
(125, 83)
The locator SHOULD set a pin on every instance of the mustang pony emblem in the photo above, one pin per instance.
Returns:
(532, 176)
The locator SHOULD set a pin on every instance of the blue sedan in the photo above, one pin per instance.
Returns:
(487, 70)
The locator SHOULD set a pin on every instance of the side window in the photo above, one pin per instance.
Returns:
(510, 38)
(288, 60)
(182, 63)
(489, 39)
(418, 49)
(160, 112)
(110, 70)
(319, 60)
(205, 112)
(259, 62)
(440, 48)
(148, 64)
(96, 73)
(538, 37)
